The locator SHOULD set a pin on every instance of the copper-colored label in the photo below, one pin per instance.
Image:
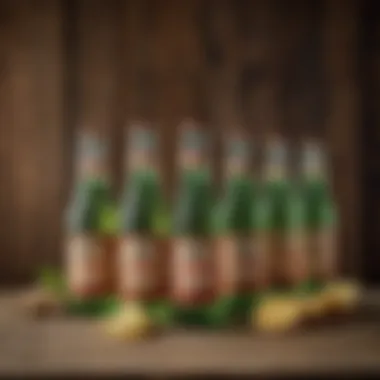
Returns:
(190, 269)
(326, 253)
(86, 264)
(234, 260)
(296, 265)
(138, 267)
(261, 269)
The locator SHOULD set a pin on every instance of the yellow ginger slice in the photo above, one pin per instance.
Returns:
(278, 315)
(341, 297)
(132, 322)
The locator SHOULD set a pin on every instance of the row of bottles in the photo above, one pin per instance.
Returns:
(211, 252)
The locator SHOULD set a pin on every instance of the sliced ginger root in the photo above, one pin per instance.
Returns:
(132, 322)
(278, 315)
(341, 297)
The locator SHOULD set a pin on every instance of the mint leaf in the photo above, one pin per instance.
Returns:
(52, 280)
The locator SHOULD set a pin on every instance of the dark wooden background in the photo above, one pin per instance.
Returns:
(297, 67)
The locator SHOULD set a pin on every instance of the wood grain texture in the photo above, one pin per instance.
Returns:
(343, 117)
(5, 131)
(99, 73)
(370, 78)
(69, 346)
(32, 171)
(99, 64)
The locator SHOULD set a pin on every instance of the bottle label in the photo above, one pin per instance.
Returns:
(192, 150)
(237, 157)
(296, 257)
(91, 157)
(190, 269)
(141, 148)
(261, 269)
(314, 160)
(138, 267)
(325, 243)
(85, 263)
(277, 157)
(234, 260)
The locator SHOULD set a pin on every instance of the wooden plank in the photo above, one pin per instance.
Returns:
(25, 161)
(5, 132)
(99, 68)
(342, 128)
(49, 74)
(224, 106)
(370, 80)
(303, 93)
(178, 67)
(59, 346)
(261, 60)
(374, 159)
(34, 112)
(97, 57)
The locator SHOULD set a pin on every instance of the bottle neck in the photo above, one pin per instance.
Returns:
(141, 149)
(91, 158)
(90, 170)
(193, 178)
(236, 167)
(315, 174)
(192, 160)
(275, 172)
(140, 173)
(314, 163)
(192, 154)
(237, 157)
(275, 168)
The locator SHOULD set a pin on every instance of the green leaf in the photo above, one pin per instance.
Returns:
(161, 313)
(97, 307)
(52, 280)
(109, 221)
(220, 314)
(161, 220)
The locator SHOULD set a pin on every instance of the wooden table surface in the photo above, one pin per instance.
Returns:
(59, 346)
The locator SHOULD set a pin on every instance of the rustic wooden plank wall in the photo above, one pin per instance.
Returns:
(275, 66)
(31, 128)
(343, 119)
(370, 78)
